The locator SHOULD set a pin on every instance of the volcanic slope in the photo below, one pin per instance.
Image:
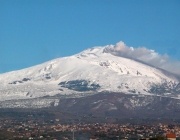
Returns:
(91, 71)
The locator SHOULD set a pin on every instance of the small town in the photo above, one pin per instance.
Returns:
(11, 129)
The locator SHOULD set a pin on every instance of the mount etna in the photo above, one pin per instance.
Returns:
(98, 82)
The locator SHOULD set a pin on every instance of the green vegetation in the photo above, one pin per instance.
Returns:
(158, 138)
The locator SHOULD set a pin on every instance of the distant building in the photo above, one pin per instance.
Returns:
(171, 136)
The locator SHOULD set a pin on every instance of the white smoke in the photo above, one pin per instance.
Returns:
(145, 55)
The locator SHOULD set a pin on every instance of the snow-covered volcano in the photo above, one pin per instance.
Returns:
(93, 70)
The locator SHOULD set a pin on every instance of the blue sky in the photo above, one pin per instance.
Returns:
(36, 31)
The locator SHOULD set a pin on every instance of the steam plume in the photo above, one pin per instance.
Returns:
(145, 55)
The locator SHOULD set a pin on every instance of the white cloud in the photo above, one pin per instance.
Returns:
(145, 55)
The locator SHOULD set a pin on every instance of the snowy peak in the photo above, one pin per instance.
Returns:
(101, 57)
(93, 70)
(94, 50)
